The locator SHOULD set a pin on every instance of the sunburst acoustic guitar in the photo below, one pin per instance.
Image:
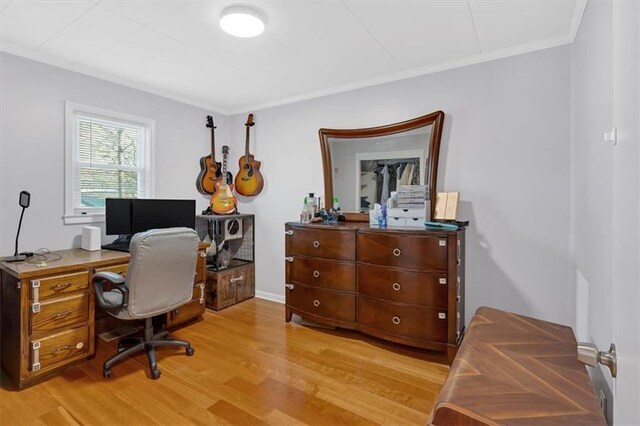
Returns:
(223, 201)
(249, 180)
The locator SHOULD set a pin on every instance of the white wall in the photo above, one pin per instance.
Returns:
(32, 146)
(505, 147)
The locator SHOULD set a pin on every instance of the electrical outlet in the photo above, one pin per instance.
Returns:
(612, 136)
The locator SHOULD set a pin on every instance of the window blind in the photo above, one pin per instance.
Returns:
(109, 161)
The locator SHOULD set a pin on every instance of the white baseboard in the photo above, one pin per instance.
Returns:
(279, 298)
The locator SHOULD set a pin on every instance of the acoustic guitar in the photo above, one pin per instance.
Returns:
(209, 168)
(249, 180)
(223, 201)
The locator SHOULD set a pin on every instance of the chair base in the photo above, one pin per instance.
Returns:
(128, 347)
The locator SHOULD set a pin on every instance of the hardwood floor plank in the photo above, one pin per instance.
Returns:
(250, 367)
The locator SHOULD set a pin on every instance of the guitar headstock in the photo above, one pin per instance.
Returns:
(225, 150)
(210, 122)
(249, 122)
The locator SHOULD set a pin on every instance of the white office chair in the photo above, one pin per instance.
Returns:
(159, 279)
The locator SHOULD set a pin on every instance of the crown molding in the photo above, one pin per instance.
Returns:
(581, 5)
(416, 72)
(92, 72)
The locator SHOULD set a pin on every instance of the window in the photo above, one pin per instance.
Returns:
(108, 155)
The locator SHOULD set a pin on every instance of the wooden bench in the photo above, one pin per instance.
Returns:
(515, 370)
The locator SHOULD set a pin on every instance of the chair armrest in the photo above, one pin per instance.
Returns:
(117, 283)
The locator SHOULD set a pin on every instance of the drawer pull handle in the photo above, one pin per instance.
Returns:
(240, 278)
(289, 286)
(316, 274)
(60, 315)
(289, 259)
(203, 254)
(176, 311)
(288, 232)
(61, 348)
(396, 320)
(442, 315)
(61, 286)
(397, 252)
(316, 244)
(201, 294)
(396, 286)
(316, 303)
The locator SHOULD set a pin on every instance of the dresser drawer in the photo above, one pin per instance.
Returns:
(426, 253)
(59, 285)
(420, 323)
(60, 312)
(321, 273)
(324, 303)
(324, 243)
(58, 349)
(418, 288)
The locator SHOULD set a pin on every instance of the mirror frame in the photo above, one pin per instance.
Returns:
(435, 118)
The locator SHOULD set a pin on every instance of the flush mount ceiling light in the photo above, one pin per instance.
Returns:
(242, 21)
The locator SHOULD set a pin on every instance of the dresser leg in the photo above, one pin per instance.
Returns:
(287, 314)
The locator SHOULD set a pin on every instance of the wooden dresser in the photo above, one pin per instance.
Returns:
(516, 370)
(406, 286)
(47, 313)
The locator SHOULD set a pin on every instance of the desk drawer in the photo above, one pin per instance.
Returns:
(418, 288)
(118, 269)
(201, 267)
(324, 243)
(403, 251)
(190, 310)
(59, 349)
(389, 318)
(321, 273)
(60, 312)
(59, 285)
(324, 303)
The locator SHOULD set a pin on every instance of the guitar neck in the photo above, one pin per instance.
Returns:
(213, 147)
(246, 147)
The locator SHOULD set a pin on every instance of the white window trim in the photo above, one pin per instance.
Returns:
(71, 216)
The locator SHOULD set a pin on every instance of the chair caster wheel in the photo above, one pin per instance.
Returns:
(155, 374)
(106, 373)
(190, 351)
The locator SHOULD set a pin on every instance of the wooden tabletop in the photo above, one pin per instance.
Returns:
(516, 370)
(64, 260)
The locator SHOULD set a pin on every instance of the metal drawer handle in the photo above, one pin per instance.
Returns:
(61, 286)
(240, 278)
(289, 259)
(397, 252)
(316, 303)
(203, 254)
(316, 244)
(316, 274)
(60, 315)
(289, 286)
(60, 349)
(396, 286)
(396, 320)
(288, 232)
(176, 311)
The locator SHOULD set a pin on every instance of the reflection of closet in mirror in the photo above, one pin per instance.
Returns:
(382, 172)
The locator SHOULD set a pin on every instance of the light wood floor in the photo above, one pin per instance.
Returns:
(250, 367)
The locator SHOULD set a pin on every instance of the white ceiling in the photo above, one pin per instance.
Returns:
(310, 48)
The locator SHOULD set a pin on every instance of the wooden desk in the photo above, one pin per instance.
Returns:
(47, 313)
(516, 370)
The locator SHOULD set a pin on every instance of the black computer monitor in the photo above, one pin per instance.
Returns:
(118, 215)
(152, 214)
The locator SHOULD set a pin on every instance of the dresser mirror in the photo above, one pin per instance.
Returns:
(363, 166)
